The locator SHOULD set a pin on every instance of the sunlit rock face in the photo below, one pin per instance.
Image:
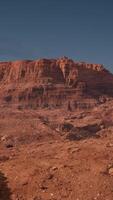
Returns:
(54, 83)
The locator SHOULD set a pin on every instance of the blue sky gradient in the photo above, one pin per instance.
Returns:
(80, 29)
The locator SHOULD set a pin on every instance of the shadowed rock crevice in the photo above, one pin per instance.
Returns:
(5, 192)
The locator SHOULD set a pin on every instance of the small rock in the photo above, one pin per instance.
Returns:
(110, 171)
(51, 194)
(43, 187)
(9, 145)
(75, 150)
(3, 138)
(25, 182)
(54, 168)
(50, 176)
(102, 126)
(109, 145)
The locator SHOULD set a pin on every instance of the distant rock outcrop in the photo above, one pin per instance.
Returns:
(54, 83)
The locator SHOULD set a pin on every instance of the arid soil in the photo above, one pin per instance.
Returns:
(54, 154)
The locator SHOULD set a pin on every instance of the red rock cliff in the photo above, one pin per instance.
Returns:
(54, 83)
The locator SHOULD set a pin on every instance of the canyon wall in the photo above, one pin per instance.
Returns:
(53, 83)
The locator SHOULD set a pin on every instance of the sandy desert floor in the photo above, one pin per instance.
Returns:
(44, 156)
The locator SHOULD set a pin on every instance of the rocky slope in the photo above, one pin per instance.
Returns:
(54, 83)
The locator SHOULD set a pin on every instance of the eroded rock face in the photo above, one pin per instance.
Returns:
(54, 83)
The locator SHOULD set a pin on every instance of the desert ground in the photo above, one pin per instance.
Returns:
(56, 154)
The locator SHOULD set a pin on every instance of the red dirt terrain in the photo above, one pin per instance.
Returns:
(56, 130)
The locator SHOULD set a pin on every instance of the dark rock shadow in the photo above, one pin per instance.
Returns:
(80, 133)
(5, 192)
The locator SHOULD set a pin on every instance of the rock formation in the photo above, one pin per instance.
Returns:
(53, 83)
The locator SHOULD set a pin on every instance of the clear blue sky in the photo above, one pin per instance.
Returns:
(80, 29)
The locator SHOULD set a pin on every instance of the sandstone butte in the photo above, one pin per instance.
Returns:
(54, 83)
